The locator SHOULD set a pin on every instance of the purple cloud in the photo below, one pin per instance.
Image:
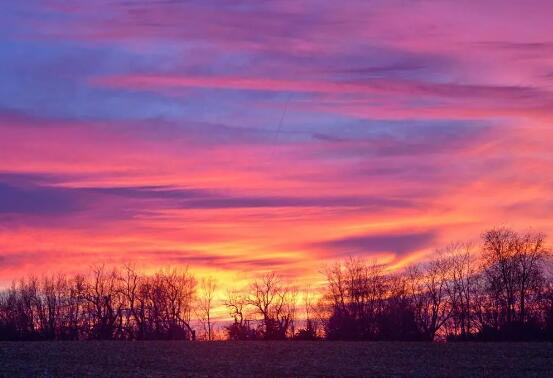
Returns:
(398, 243)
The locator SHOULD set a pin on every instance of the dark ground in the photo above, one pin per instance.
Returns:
(234, 359)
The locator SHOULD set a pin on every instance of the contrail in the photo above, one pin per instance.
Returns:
(279, 128)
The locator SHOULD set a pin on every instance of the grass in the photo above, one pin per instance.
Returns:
(234, 359)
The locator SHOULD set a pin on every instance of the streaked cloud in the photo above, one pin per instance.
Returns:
(268, 135)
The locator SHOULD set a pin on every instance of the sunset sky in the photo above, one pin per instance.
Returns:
(244, 136)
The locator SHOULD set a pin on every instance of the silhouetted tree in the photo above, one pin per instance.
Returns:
(205, 305)
(397, 321)
(240, 329)
(356, 294)
(309, 332)
(275, 304)
(513, 270)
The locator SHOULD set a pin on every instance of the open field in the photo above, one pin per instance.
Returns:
(232, 359)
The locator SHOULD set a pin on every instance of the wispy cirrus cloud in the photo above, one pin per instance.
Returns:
(256, 136)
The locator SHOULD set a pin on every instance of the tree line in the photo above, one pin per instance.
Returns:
(104, 305)
(503, 293)
(501, 289)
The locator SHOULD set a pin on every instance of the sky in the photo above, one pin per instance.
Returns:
(239, 137)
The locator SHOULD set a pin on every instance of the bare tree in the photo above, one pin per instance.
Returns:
(430, 292)
(311, 330)
(176, 294)
(206, 295)
(461, 285)
(132, 320)
(513, 268)
(530, 254)
(104, 296)
(237, 306)
(275, 303)
(355, 299)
